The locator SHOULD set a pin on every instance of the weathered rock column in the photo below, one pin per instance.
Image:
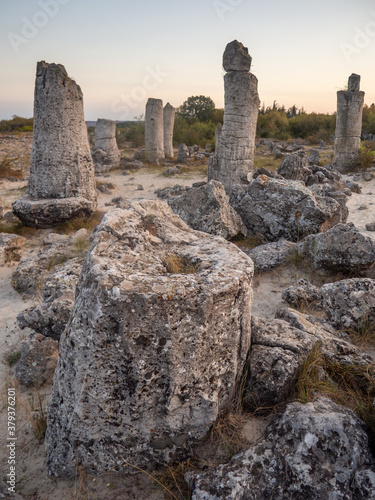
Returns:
(154, 131)
(169, 113)
(348, 123)
(234, 153)
(61, 184)
(106, 154)
(153, 353)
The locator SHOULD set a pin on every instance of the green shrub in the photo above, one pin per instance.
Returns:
(17, 123)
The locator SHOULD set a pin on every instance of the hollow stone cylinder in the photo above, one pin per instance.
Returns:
(234, 153)
(153, 353)
(348, 124)
(168, 123)
(154, 130)
(61, 184)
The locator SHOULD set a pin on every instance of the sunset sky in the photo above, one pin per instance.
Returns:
(121, 52)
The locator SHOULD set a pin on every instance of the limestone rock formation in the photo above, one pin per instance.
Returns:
(106, 155)
(270, 255)
(183, 153)
(61, 184)
(342, 248)
(348, 123)
(166, 351)
(37, 362)
(303, 293)
(314, 157)
(51, 317)
(277, 352)
(284, 209)
(34, 268)
(169, 113)
(11, 247)
(294, 166)
(311, 451)
(350, 304)
(235, 142)
(341, 196)
(207, 209)
(154, 130)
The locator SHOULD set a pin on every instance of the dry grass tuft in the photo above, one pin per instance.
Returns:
(16, 227)
(349, 385)
(250, 242)
(180, 264)
(77, 223)
(7, 169)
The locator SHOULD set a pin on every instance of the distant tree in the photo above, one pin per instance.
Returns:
(197, 107)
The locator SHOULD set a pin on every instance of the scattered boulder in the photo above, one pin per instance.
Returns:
(11, 248)
(342, 248)
(207, 209)
(38, 361)
(171, 171)
(314, 157)
(120, 202)
(294, 166)
(341, 196)
(167, 349)
(350, 304)
(277, 352)
(51, 317)
(34, 269)
(370, 226)
(335, 345)
(312, 451)
(167, 192)
(271, 255)
(133, 165)
(61, 183)
(284, 209)
(303, 294)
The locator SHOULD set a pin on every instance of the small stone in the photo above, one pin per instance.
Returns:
(370, 226)
(11, 248)
(37, 362)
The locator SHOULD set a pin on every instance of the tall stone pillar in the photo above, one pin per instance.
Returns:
(348, 124)
(106, 154)
(154, 133)
(234, 153)
(61, 184)
(168, 122)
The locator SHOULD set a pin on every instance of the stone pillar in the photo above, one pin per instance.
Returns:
(234, 153)
(348, 124)
(153, 354)
(154, 134)
(61, 184)
(106, 154)
(168, 121)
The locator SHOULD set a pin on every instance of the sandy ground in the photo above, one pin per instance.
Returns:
(32, 481)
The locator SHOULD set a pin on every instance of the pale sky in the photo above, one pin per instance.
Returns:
(121, 52)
